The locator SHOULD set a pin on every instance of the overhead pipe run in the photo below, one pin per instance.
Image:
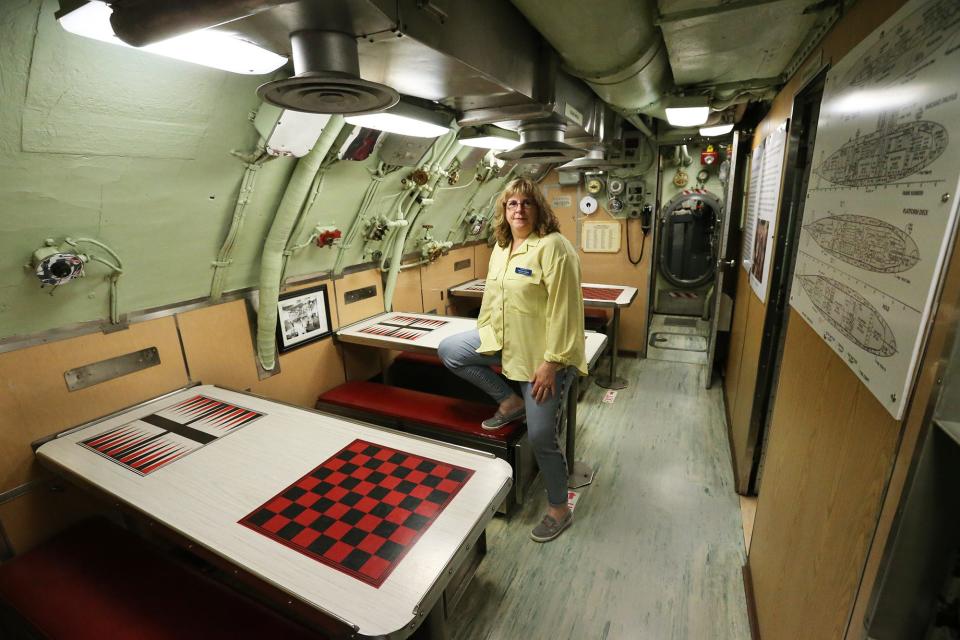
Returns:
(630, 71)
(143, 22)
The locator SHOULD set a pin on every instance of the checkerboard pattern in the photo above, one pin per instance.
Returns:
(362, 510)
(601, 293)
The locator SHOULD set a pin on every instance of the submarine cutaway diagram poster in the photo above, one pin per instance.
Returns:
(882, 202)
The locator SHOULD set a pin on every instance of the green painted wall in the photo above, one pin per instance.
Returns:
(135, 151)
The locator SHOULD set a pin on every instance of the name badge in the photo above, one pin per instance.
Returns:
(524, 272)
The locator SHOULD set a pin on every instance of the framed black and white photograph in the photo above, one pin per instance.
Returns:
(302, 317)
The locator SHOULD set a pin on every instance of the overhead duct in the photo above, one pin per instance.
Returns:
(594, 159)
(143, 22)
(541, 142)
(327, 78)
(630, 70)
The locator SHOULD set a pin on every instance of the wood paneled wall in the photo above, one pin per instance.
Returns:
(35, 403)
(437, 277)
(831, 450)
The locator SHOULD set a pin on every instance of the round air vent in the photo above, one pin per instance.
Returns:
(328, 93)
(328, 78)
(541, 143)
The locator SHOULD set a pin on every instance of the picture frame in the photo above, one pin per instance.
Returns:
(303, 317)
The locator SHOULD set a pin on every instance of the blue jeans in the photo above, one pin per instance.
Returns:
(459, 354)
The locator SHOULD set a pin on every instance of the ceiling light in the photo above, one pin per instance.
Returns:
(207, 47)
(716, 130)
(488, 137)
(406, 119)
(689, 111)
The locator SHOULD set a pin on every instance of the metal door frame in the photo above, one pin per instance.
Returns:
(734, 187)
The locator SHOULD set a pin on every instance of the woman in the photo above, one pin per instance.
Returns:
(531, 324)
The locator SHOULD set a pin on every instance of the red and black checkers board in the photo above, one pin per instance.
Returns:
(156, 440)
(601, 293)
(404, 327)
(362, 510)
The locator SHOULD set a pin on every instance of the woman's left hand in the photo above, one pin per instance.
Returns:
(544, 381)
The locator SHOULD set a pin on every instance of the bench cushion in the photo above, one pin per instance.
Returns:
(97, 580)
(411, 357)
(429, 409)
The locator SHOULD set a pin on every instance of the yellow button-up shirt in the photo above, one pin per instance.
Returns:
(532, 309)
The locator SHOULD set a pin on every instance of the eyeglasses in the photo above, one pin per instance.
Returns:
(526, 204)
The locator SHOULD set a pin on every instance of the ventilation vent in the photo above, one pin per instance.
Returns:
(595, 159)
(328, 78)
(541, 143)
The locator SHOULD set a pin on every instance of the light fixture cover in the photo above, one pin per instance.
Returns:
(488, 137)
(406, 119)
(716, 130)
(208, 47)
(688, 111)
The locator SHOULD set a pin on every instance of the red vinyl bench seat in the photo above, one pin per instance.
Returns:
(413, 357)
(441, 412)
(97, 580)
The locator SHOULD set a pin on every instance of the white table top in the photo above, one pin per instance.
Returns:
(594, 295)
(423, 332)
(206, 492)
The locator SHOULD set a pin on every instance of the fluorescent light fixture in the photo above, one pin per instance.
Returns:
(405, 119)
(207, 47)
(716, 130)
(688, 111)
(488, 137)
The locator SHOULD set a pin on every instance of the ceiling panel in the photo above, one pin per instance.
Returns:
(729, 45)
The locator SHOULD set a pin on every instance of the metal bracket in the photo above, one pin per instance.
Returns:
(97, 372)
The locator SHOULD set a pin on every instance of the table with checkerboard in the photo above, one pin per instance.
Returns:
(361, 525)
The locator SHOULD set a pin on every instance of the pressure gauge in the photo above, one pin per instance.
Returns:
(615, 186)
(614, 205)
(588, 204)
(594, 185)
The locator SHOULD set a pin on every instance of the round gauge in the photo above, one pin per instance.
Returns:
(615, 186)
(588, 204)
(614, 205)
(703, 176)
(594, 185)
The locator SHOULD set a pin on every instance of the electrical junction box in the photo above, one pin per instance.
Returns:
(567, 178)
(289, 133)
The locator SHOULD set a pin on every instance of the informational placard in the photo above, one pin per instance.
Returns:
(750, 216)
(881, 209)
(766, 174)
(600, 237)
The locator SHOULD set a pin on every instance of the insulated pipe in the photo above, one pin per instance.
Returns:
(271, 262)
(618, 51)
(143, 22)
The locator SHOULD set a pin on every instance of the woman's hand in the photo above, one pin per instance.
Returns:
(545, 381)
